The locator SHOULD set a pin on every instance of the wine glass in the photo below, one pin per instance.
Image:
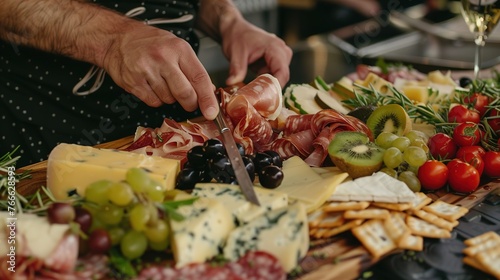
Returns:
(481, 17)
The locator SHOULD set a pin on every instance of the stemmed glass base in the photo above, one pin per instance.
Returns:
(480, 42)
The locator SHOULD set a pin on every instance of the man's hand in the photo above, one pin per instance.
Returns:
(158, 68)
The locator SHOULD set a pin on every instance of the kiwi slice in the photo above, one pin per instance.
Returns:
(389, 118)
(354, 153)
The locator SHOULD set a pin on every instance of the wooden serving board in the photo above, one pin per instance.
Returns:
(340, 257)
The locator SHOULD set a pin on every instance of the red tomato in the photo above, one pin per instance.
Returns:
(475, 150)
(433, 175)
(462, 177)
(478, 101)
(494, 120)
(441, 146)
(474, 160)
(460, 114)
(467, 134)
(492, 164)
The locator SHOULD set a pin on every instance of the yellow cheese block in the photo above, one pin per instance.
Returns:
(302, 183)
(73, 167)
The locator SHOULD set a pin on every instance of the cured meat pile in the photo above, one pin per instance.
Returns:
(259, 121)
(254, 265)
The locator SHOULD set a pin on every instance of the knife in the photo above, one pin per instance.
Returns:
(246, 185)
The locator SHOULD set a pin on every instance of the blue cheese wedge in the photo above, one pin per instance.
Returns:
(202, 233)
(234, 200)
(283, 233)
(73, 167)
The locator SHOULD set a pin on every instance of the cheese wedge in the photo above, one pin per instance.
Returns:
(302, 183)
(282, 232)
(73, 167)
(234, 200)
(379, 187)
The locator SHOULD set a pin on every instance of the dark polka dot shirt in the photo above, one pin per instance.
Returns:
(38, 109)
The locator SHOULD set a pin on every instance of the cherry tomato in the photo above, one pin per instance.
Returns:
(492, 164)
(494, 120)
(460, 114)
(462, 177)
(478, 101)
(433, 175)
(441, 146)
(474, 160)
(467, 134)
(475, 150)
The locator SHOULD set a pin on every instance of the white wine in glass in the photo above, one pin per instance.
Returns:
(481, 17)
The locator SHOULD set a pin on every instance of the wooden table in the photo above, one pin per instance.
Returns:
(340, 257)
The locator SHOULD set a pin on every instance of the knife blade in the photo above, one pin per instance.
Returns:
(246, 185)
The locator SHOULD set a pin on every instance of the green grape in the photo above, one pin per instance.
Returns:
(133, 244)
(415, 134)
(393, 157)
(97, 192)
(139, 216)
(385, 139)
(116, 234)
(415, 156)
(110, 214)
(138, 179)
(159, 246)
(120, 194)
(420, 143)
(411, 180)
(401, 143)
(155, 191)
(389, 171)
(158, 232)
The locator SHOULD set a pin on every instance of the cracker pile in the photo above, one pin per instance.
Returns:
(483, 253)
(382, 227)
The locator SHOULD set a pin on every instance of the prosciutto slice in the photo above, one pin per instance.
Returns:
(172, 139)
(308, 136)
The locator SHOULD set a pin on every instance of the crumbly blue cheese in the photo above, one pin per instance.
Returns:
(202, 233)
(282, 232)
(243, 211)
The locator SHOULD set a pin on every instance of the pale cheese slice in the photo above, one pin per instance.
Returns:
(303, 184)
(378, 187)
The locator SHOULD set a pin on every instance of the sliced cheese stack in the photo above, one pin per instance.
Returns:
(204, 229)
(234, 200)
(282, 232)
(302, 183)
(73, 167)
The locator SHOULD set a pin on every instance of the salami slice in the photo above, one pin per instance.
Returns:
(252, 266)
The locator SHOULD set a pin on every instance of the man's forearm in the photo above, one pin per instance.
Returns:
(216, 16)
(69, 27)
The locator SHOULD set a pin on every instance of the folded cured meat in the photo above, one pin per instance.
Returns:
(34, 249)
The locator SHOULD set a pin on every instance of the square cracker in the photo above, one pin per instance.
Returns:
(411, 242)
(345, 227)
(370, 213)
(483, 246)
(374, 237)
(393, 206)
(421, 200)
(446, 210)
(343, 206)
(396, 227)
(425, 229)
(481, 238)
(433, 219)
(490, 260)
